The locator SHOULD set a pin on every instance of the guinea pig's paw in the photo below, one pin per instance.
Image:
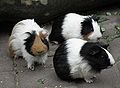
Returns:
(42, 63)
(31, 67)
(15, 57)
(89, 80)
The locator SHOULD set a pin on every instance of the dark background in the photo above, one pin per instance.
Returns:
(12, 11)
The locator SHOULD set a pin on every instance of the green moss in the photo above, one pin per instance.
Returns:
(115, 35)
(102, 19)
(41, 81)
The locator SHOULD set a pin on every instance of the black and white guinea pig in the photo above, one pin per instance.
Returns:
(29, 41)
(76, 58)
(73, 25)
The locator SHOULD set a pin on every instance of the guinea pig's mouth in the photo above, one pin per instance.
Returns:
(40, 53)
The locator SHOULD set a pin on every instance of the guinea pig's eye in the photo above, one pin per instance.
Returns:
(43, 40)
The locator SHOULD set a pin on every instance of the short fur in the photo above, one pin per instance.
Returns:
(56, 32)
(76, 58)
(75, 26)
(60, 62)
(30, 41)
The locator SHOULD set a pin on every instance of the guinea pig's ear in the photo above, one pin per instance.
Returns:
(94, 50)
(96, 18)
(43, 34)
(32, 34)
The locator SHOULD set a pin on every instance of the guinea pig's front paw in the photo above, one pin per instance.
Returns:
(89, 80)
(31, 67)
(15, 57)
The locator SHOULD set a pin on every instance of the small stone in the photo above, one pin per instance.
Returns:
(1, 81)
(45, 66)
(22, 71)
(44, 2)
(55, 86)
(17, 83)
(102, 29)
(108, 14)
(60, 86)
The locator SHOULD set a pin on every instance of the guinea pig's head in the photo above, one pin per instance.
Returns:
(91, 29)
(98, 57)
(37, 44)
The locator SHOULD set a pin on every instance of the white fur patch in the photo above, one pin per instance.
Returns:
(96, 34)
(72, 22)
(112, 61)
(79, 68)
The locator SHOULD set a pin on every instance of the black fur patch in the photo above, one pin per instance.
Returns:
(87, 26)
(97, 57)
(55, 34)
(60, 62)
(29, 41)
(45, 42)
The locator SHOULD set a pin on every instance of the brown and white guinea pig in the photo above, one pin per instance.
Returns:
(76, 59)
(73, 25)
(29, 41)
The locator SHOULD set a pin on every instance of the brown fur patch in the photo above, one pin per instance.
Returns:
(85, 37)
(11, 51)
(38, 46)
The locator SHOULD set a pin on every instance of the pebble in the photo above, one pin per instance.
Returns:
(1, 81)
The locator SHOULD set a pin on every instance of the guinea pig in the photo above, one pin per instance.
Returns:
(80, 59)
(29, 41)
(73, 25)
